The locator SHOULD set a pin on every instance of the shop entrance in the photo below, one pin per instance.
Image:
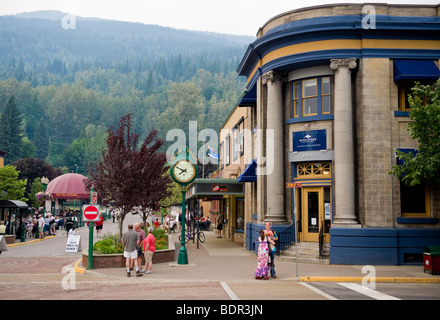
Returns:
(316, 213)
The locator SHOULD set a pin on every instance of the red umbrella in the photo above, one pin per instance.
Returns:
(68, 186)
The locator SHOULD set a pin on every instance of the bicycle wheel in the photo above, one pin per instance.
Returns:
(201, 237)
(187, 238)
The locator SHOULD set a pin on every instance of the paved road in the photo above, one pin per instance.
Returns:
(217, 270)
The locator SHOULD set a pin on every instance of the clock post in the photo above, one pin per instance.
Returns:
(183, 171)
(183, 254)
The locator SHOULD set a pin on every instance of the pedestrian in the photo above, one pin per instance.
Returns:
(40, 227)
(272, 234)
(99, 225)
(149, 246)
(219, 222)
(2, 228)
(113, 215)
(69, 224)
(141, 234)
(47, 224)
(130, 241)
(263, 256)
(156, 223)
(52, 226)
(71, 232)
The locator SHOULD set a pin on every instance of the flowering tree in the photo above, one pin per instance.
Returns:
(129, 177)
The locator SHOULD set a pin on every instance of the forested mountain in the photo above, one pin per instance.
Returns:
(70, 85)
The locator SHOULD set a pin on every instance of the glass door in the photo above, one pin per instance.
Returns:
(315, 213)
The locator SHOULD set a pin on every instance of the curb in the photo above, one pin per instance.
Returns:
(77, 268)
(377, 279)
(29, 242)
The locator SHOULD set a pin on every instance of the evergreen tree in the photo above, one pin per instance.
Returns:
(11, 131)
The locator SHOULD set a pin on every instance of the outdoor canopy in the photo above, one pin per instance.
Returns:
(415, 70)
(68, 186)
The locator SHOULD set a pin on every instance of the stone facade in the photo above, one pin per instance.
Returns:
(321, 73)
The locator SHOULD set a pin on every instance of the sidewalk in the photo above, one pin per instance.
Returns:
(224, 260)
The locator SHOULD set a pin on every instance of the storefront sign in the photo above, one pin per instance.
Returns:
(309, 140)
(220, 188)
(293, 185)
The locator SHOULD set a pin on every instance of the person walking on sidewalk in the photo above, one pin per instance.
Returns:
(263, 256)
(149, 249)
(130, 241)
(141, 234)
(272, 249)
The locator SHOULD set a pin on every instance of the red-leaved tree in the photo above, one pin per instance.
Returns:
(130, 177)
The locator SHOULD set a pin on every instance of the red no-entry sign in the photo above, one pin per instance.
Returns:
(90, 212)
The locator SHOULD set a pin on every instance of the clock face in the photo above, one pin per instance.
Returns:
(184, 171)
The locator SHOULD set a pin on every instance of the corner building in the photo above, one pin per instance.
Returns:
(326, 100)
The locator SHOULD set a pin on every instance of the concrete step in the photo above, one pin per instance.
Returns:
(308, 252)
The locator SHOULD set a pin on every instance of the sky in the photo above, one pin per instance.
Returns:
(239, 17)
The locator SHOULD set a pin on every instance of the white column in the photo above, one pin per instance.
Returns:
(345, 213)
(274, 148)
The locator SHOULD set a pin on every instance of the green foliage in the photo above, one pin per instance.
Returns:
(425, 128)
(164, 77)
(11, 130)
(110, 244)
(11, 188)
(160, 236)
(36, 187)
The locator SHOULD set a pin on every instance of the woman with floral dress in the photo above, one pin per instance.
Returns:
(263, 256)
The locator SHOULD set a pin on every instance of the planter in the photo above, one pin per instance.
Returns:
(101, 261)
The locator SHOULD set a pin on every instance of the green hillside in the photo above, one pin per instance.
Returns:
(70, 85)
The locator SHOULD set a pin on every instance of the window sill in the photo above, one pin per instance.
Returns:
(418, 220)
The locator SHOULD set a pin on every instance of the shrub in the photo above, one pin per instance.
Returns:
(108, 245)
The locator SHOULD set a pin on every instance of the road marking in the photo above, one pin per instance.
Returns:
(229, 291)
(367, 291)
(322, 293)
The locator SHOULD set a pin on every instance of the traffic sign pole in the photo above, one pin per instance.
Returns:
(90, 266)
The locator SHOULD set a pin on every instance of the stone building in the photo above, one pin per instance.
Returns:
(326, 101)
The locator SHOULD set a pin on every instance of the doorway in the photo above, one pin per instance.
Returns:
(316, 213)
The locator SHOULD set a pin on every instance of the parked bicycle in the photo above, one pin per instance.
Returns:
(192, 235)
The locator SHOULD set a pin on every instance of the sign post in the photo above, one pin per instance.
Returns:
(90, 214)
(294, 186)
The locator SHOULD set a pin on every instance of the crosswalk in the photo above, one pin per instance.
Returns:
(338, 291)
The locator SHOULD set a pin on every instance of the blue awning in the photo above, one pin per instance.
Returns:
(249, 174)
(415, 70)
(249, 98)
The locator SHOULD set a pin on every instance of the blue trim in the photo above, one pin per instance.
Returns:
(249, 173)
(311, 118)
(401, 113)
(417, 220)
(378, 246)
(345, 27)
(415, 70)
(249, 98)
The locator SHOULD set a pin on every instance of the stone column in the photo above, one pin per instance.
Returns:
(274, 148)
(345, 213)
